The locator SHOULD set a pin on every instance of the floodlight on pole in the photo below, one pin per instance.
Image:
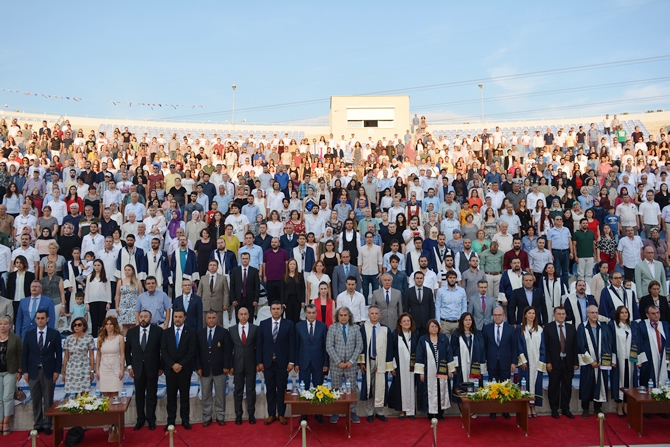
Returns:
(481, 87)
(233, 118)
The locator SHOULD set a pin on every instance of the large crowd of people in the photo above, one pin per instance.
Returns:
(428, 260)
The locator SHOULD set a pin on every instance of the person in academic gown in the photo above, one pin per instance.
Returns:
(623, 375)
(652, 359)
(532, 359)
(594, 350)
(434, 366)
(183, 265)
(467, 346)
(376, 361)
(402, 394)
(617, 295)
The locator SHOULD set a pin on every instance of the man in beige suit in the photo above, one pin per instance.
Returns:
(390, 308)
(213, 290)
(6, 308)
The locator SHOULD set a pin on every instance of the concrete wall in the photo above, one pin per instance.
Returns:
(338, 116)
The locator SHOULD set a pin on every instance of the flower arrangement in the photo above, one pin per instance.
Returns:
(320, 395)
(85, 403)
(661, 394)
(500, 391)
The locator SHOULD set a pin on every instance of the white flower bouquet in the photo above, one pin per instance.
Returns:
(85, 403)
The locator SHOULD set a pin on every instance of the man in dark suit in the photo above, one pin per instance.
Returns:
(244, 335)
(342, 272)
(289, 240)
(178, 350)
(501, 348)
(560, 342)
(212, 363)
(245, 285)
(191, 304)
(41, 361)
(519, 300)
(312, 358)
(420, 303)
(275, 356)
(143, 357)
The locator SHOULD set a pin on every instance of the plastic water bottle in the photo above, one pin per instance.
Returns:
(476, 381)
(97, 391)
(302, 386)
(124, 396)
(523, 384)
(493, 380)
(650, 385)
(71, 394)
(347, 387)
(343, 386)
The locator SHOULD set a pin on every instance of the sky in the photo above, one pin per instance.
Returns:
(534, 59)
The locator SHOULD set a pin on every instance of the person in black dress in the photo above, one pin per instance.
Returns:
(203, 248)
(330, 258)
(292, 292)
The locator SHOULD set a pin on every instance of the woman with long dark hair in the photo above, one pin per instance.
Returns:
(468, 345)
(98, 295)
(531, 355)
(621, 327)
(293, 292)
(434, 366)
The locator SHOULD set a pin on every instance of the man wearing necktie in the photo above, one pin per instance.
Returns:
(275, 356)
(245, 286)
(191, 304)
(28, 307)
(311, 356)
(502, 349)
(420, 304)
(143, 357)
(560, 340)
(651, 336)
(41, 362)
(481, 305)
(213, 363)
(213, 291)
(178, 348)
(388, 300)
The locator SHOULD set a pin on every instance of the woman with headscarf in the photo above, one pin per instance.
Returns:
(175, 223)
(435, 263)
(43, 241)
(194, 227)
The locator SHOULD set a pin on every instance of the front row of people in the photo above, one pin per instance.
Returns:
(621, 353)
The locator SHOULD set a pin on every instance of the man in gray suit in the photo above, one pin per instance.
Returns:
(344, 344)
(481, 308)
(342, 272)
(389, 301)
(6, 308)
(244, 367)
(644, 275)
(213, 290)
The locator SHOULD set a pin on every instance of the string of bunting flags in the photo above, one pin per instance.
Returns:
(115, 102)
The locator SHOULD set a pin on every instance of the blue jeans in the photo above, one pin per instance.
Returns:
(562, 263)
(368, 280)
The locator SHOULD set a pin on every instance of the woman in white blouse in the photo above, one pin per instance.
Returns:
(97, 296)
(275, 225)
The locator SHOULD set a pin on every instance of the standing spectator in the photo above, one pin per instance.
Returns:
(343, 344)
(78, 360)
(502, 349)
(434, 366)
(532, 354)
(293, 298)
(594, 348)
(344, 271)
(178, 349)
(450, 303)
(630, 253)
(623, 331)
(649, 270)
(560, 341)
(28, 308)
(10, 371)
(98, 296)
(481, 305)
(245, 286)
(212, 363)
(41, 346)
(584, 247)
(559, 243)
(274, 267)
(402, 393)
(214, 292)
(388, 300)
(244, 335)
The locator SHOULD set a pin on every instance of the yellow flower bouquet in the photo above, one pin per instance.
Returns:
(500, 391)
(85, 403)
(320, 395)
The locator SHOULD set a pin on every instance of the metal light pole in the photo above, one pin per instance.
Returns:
(481, 87)
(233, 119)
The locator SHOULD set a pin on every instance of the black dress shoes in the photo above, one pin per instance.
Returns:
(238, 420)
(47, 431)
(568, 414)
(554, 414)
(252, 420)
(506, 415)
(319, 418)
(371, 418)
(138, 426)
(493, 415)
(152, 426)
(186, 426)
(382, 418)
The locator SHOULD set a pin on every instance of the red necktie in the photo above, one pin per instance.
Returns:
(244, 283)
(483, 304)
(658, 338)
(244, 336)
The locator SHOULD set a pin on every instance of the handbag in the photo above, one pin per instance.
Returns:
(19, 394)
(113, 434)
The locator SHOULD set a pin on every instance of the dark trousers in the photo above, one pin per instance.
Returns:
(311, 375)
(239, 379)
(560, 385)
(500, 373)
(276, 380)
(562, 262)
(273, 289)
(98, 312)
(113, 286)
(629, 274)
(42, 393)
(292, 311)
(146, 406)
(177, 382)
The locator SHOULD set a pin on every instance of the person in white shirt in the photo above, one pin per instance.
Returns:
(112, 195)
(25, 219)
(430, 277)
(315, 224)
(93, 241)
(534, 196)
(650, 214)
(496, 196)
(31, 254)
(354, 301)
